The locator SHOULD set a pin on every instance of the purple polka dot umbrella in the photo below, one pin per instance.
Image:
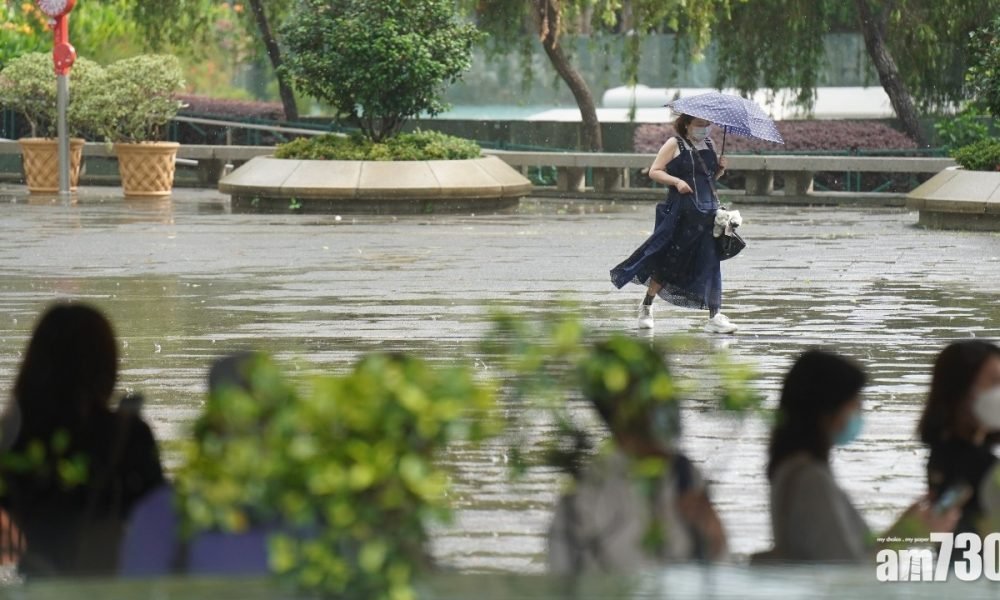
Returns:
(734, 114)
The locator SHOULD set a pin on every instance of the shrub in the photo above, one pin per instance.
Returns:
(137, 98)
(962, 129)
(419, 145)
(352, 463)
(984, 155)
(799, 136)
(233, 109)
(378, 62)
(28, 86)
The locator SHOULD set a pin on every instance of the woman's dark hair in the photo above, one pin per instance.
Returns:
(681, 125)
(818, 385)
(955, 370)
(69, 370)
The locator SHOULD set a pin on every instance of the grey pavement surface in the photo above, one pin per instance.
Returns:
(187, 280)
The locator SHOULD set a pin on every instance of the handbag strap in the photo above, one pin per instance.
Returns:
(711, 176)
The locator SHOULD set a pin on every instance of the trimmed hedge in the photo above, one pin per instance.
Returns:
(235, 109)
(799, 136)
(984, 155)
(419, 145)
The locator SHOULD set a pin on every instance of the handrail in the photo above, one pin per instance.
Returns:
(270, 128)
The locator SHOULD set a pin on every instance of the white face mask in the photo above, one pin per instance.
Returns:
(986, 407)
(698, 133)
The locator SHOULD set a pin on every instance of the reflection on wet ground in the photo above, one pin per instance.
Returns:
(187, 280)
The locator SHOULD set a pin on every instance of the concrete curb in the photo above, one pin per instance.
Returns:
(958, 199)
(376, 186)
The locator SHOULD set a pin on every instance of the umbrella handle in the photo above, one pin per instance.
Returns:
(724, 131)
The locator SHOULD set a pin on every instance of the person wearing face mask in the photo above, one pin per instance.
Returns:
(640, 503)
(679, 261)
(961, 423)
(812, 518)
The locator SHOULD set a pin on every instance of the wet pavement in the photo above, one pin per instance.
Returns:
(187, 280)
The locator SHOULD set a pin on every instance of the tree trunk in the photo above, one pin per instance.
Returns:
(547, 13)
(274, 53)
(873, 29)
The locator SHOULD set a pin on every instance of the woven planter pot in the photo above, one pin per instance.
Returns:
(147, 169)
(40, 157)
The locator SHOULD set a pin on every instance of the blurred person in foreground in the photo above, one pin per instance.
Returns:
(812, 518)
(71, 467)
(961, 425)
(641, 503)
(245, 389)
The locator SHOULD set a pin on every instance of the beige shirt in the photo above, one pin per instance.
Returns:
(812, 519)
(601, 525)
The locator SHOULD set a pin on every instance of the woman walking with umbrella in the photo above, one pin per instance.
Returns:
(679, 262)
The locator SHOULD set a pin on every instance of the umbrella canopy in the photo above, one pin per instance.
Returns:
(735, 114)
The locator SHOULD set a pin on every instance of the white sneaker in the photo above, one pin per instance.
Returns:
(645, 316)
(720, 323)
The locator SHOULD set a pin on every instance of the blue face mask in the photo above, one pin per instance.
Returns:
(665, 425)
(850, 431)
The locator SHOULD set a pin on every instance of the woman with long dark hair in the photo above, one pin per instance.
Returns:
(960, 423)
(679, 261)
(812, 518)
(71, 467)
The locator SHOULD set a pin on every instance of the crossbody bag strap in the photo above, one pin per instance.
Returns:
(711, 176)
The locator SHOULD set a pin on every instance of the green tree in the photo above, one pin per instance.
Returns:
(188, 23)
(509, 24)
(983, 75)
(917, 47)
(379, 63)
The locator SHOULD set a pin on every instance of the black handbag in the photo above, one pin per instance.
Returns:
(727, 244)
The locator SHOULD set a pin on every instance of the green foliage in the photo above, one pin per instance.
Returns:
(964, 128)
(773, 44)
(350, 462)
(983, 76)
(380, 63)
(505, 22)
(28, 86)
(983, 155)
(52, 461)
(547, 363)
(136, 98)
(419, 145)
(184, 23)
(23, 29)
(626, 379)
(778, 43)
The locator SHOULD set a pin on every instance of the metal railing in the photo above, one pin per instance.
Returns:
(230, 125)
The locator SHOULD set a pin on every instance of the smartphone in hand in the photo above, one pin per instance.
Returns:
(953, 496)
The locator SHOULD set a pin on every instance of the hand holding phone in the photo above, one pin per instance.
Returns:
(953, 496)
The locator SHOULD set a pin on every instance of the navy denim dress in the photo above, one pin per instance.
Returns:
(681, 254)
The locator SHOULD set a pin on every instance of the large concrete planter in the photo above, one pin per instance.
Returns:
(958, 199)
(374, 187)
(147, 169)
(40, 158)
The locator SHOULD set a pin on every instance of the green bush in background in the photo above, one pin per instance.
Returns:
(966, 127)
(136, 98)
(984, 155)
(28, 87)
(419, 145)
